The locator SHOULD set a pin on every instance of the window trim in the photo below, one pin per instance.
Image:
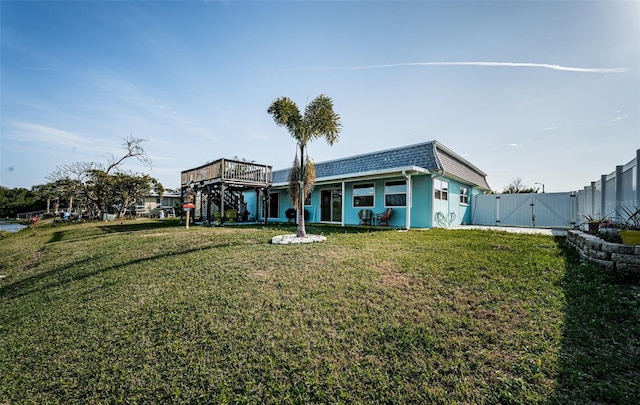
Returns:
(464, 196)
(371, 186)
(391, 183)
(439, 192)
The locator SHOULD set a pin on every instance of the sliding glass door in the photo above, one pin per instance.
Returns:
(331, 205)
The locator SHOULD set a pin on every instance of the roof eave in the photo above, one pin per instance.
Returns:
(465, 181)
(370, 175)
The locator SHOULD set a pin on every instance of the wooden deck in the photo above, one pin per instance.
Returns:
(229, 172)
(217, 189)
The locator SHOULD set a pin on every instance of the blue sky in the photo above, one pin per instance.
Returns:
(545, 91)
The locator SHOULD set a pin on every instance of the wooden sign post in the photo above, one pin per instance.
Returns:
(187, 207)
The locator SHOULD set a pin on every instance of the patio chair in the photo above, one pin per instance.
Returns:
(384, 217)
(365, 217)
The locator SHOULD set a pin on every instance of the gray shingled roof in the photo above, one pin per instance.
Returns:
(421, 155)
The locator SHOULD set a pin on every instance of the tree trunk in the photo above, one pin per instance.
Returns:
(301, 231)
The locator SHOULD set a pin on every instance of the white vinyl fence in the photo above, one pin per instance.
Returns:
(545, 210)
(613, 196)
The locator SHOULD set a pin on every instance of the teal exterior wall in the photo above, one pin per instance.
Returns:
(251, 199)
(452, 211)
(422, 202)
(349, 210)
(398, 218)
(284, 203)
(424, 206)
(255, 205)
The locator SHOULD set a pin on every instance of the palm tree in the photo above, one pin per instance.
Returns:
(319, 121)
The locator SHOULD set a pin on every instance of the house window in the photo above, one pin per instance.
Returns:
(441, 189)
(307, 199)
(363, 195)
(464, 196)
(395, 193)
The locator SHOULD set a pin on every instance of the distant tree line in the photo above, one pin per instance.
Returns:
(91, 187)
(516, 187)
(16, 200)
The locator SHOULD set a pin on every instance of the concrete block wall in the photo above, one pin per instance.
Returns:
(612, 256)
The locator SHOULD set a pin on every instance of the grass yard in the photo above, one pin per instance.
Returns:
(150, 312)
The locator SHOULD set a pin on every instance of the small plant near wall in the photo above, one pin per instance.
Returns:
(633, 218)
(626, 231)
(592, 222)
(630, 229)
(609, 231)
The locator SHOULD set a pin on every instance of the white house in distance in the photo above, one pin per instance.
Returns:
(151, 205)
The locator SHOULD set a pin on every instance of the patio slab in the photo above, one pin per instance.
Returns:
(515, 229)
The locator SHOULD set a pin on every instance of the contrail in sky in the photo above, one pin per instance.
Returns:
(487, 64)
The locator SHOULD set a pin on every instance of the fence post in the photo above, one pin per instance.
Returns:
(575, 207)
(533, 210)
(619, 193)
(637, 202)
(593, 199)
(603, 196)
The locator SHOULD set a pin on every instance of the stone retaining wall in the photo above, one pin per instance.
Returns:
(612, 256)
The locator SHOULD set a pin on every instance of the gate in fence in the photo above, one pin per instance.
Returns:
(612, 197)
(530, 210)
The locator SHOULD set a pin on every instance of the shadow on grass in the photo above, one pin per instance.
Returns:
(82, 269)
(600, 354)
(110, 228)
(128, 227)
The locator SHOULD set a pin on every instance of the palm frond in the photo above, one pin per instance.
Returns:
(309, 176)
(321, 120)
(286, 114)
(294, 182)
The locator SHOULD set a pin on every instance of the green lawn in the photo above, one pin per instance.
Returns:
(147, 311)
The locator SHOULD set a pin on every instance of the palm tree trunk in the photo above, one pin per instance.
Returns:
(301, 231)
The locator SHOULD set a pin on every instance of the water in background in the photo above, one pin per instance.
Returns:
(11, 226)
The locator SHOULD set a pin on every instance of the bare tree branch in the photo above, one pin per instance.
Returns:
(133, 149)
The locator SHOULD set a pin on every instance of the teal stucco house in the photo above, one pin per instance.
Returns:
(424, 185)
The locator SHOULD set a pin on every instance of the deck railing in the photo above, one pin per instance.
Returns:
(227, 170)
